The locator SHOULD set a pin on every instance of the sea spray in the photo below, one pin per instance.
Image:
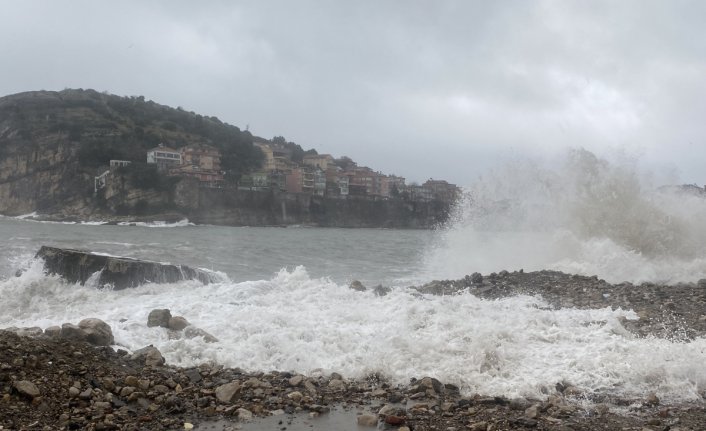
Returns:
(585, 215)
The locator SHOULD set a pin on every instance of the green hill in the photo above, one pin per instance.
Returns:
(52, 143)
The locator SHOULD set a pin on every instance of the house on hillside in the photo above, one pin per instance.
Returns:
(202, 162)
(164, 157)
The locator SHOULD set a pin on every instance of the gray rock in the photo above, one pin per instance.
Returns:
(432, 383)
(72, 332)
(193, 332)
(27, 388)
(33, 331)
(53, 331)
(150, 355)
(159, 317)
(296, 380)
(244, 414)
(74, 392)
(358, 286)
(178, 323)
(194, 375)
(97, 332)
(228, 392)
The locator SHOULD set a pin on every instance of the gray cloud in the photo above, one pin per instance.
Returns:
(422, 89)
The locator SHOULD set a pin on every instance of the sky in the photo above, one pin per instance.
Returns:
(422, 89)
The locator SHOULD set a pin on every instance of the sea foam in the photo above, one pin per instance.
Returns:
(511, 347)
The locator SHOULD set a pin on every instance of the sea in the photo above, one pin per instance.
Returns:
(282, 300)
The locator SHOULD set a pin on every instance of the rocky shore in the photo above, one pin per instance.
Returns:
(61, 378)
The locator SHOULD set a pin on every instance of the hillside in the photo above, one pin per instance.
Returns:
(52, 144)
(56, 148)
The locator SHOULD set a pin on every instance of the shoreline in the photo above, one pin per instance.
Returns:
(179, 220)
(80, 386)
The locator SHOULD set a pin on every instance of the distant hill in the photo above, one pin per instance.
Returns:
(52, 143)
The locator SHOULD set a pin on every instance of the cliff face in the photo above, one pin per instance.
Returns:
(258, 208)
(41, 175)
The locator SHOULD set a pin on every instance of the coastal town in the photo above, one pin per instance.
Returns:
(316, 174)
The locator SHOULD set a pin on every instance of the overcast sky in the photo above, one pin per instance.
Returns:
(442, 89)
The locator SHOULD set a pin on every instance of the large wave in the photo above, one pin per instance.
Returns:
(584, 215)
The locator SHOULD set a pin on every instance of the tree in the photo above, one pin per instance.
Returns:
(345, 163)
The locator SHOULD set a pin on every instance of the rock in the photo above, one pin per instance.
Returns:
(336, 384)
(194, 375)
(652, 400)
(132, 381)
(74, 392)
(295, 396)
(77, 266)
(159, 317)
(97, 332)
(228, 392)
(394, 420)
(86, 395)
(478, 426)
(296, 380)
(367, 420)
(72, 332)
(532, 412)
(193, 332)
(26, 388)
(178, 323)
(381, 290)
(358, 286)
(53, 331)
(244, 414)
(150, 355)
(433, 384)
(33, 331)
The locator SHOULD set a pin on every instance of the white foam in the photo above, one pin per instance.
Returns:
(586, 216)
(511, 347)
(157, 223)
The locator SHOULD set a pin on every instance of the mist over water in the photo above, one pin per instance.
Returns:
(584, 215)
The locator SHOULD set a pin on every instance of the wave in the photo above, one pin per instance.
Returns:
(512, 347)
(584, 215)
(157, 223)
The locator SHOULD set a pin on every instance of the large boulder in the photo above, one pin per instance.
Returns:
(77, 266)
(149, 356)
(97, 332)
(159, 317)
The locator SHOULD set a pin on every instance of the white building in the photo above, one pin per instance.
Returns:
(164, 157)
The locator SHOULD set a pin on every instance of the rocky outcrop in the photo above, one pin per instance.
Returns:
(76, 266)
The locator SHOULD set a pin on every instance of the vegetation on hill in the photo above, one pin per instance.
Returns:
(105, 127)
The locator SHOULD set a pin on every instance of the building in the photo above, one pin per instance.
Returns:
(419, 193)
(164, 157)
(395, 185)
(442, 190)
(202, 162)
(119, 163)
(324, 162)
(277, 157)
(205, 157)
(206, 177)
